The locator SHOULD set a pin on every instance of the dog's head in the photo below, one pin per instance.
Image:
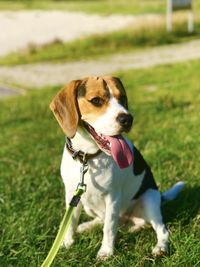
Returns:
(97, 103)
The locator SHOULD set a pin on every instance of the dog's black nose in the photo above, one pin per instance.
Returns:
(125, 120)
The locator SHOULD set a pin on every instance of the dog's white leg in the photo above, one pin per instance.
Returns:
(162, 237)
(152, 213)
(86, 226)
(113, 204)
(68, 240)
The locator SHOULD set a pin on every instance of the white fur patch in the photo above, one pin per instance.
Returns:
(107, 123)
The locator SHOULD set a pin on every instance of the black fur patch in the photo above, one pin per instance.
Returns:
(140, 165)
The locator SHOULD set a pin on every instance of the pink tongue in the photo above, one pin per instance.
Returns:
(120, 151)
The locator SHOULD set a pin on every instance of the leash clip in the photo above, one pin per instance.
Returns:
(83, 170)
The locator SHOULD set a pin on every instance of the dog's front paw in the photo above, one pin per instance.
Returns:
(104, 253)
(67, 242)
(160, 250)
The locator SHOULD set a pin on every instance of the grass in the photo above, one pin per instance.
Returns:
(104, 7)
(131, 39)
(166, 104)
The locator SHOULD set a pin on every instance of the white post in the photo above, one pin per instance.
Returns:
(169, 16)
(175, 5)
(190, 21)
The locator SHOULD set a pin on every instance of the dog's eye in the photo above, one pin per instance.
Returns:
(97, 101)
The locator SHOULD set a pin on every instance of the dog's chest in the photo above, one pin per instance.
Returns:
(102, 179)
(71, 170)
(98, 179)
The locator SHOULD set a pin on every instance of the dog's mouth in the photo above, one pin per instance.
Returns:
(115, 146)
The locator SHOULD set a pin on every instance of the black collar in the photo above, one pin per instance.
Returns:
(79, 154)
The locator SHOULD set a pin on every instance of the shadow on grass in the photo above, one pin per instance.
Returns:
(184, 208)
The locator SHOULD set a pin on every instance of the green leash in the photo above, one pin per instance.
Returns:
(67, 217)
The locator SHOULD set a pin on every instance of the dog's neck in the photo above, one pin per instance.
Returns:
(83, 141)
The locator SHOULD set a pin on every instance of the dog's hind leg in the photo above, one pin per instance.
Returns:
(139, 223)
(152, 213)
(86, 226)
(136, 215)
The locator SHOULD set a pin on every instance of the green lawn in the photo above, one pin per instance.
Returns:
(166, 104)
(103, 7)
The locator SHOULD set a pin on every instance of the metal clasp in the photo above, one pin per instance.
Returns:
(83, 170)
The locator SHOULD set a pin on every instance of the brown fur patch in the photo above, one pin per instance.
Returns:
(94, 87)
(65, 109)
(117, 89)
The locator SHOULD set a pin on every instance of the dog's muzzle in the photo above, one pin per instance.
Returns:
(125, 121)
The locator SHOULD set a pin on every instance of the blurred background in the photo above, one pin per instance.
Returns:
(153, 46)
(54, 31)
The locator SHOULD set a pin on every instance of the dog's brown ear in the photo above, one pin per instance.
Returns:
(65, 108)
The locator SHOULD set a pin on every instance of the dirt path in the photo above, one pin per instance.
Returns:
(40, 75)
(39, 27)
(20, 29)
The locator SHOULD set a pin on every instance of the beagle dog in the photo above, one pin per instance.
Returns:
(93, 113)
